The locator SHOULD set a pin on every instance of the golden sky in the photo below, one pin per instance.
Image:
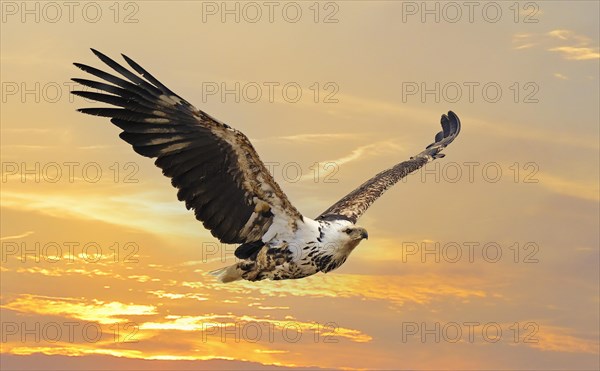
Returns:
(488, 258)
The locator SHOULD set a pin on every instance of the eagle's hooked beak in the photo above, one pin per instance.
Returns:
(364, 234)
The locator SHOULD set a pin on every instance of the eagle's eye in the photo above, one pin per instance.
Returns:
(348, 231)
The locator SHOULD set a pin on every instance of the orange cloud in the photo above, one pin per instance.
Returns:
(394, 289)
(579, 47)
(577, 53)
(558, 339)
(93, 311)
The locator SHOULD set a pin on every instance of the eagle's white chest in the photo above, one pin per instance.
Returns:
(317, 246)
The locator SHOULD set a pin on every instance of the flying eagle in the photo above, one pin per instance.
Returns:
(219, 175)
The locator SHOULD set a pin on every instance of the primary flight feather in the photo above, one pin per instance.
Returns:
(219, 175)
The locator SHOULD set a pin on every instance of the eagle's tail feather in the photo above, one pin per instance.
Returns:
(227, 274)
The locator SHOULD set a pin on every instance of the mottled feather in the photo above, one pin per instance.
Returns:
(215, 168)
(355, 203)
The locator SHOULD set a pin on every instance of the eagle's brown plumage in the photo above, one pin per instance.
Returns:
(215, 167)
(354, 204)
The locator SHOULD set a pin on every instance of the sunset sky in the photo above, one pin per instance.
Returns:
(486, 259)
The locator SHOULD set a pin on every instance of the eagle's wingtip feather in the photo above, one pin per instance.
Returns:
(450, 129)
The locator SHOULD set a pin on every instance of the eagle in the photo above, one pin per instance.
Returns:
(220, 176)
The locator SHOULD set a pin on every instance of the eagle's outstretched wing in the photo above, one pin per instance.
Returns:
(354, 204)
(216, 169)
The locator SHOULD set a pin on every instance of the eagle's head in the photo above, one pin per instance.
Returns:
(338, 238)
(351, 235)
(355, 232)
(341, 235)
